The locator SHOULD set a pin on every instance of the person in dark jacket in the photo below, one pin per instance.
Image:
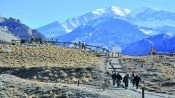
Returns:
(132, 79)
(119, 78)
(114, 78)
(126, 80)
(137, 79)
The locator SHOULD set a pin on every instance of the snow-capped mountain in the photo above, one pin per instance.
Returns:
(71, 24)
(117, 27)
(144, 17)
(162, 43)
(147, 17)
(113, 11)
(106, 32)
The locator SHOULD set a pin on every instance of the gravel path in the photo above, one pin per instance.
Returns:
(131, 91)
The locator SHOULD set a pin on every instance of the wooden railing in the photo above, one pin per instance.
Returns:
(165, 53)
(98, 51)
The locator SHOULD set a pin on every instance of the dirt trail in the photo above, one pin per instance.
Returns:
(131, 91)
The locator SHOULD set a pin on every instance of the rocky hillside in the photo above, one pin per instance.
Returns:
(6, 37)
(15, 28)
(106, 32)
(158, 72)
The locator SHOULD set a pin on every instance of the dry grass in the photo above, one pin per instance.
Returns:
(45, 55)
(161, 64)
(155, 70)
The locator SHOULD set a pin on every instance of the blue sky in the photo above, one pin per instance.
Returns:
(36, 13)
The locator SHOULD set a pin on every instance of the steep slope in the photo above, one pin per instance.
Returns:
(143, 17)
(19, 29)
(106, 32)
(6, 37)
(52, 30)
(112, 11)
(161, 42)
(71, 24)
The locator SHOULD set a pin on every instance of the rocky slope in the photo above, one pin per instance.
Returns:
(6, 37)
(156, 71)
(106, 32)
(17, 30)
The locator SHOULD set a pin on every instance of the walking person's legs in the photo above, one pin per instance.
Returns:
(137, 85)
(126, 85)
(118, 83)
(133, 83)
(113, 82)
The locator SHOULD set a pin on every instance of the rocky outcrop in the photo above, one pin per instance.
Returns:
(18, 29)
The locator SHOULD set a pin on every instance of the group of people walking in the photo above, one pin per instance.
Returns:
(117, 78)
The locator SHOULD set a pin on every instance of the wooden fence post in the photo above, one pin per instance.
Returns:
(143, 90)
(78, 83)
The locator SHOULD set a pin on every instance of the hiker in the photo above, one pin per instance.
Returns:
(132, 79)
(22, 41)
(119, 78)
(137, 79)
(83, 46)
(114, 77)
(126, 80)
(153, 51)
(80, 46)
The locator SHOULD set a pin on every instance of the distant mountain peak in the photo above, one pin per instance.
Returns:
(112, 10)
(170, 34)
(99, 11)
(119, 11)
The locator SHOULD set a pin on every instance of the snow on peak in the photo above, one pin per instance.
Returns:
(98, 11)
(146, 31)
(113, 9)
(119, 11)
(170, 34)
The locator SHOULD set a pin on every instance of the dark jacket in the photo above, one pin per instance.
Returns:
(119, 77)
(126, 78)
(114, 76)
(137, 79)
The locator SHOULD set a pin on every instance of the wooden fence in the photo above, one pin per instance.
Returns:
(165, 53)
(98, 51)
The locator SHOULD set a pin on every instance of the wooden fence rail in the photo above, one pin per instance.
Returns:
(99, 51)
(166, 53)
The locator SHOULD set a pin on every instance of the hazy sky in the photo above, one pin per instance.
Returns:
(36, 13)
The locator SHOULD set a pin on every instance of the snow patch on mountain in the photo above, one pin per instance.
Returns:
(99, 11)
(146, 31)
(119, 11)
(170, 34)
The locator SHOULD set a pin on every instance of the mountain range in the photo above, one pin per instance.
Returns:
(125, 29)
(11, 28)
(161, 42)
(116, 27)
(105, 32)
(143, 18)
